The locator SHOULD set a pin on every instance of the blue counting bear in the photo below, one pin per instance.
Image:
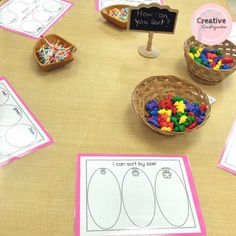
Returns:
(151, 105)
(154, 122)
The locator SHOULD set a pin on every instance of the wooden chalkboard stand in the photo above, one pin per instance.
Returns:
(151, 18)
(148, 51)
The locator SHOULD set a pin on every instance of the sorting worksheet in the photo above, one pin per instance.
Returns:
(100, 4)
(228, 157)
(32, 18)
(20, 132)
(136, 195)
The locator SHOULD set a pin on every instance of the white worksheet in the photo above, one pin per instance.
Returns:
(212, 100)
(20, 132)
(136, 195)
(32, 18)
(232, 36)
(228, 157)
(100, 4)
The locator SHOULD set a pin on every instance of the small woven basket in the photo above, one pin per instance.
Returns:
(203, 74)
(159, 87)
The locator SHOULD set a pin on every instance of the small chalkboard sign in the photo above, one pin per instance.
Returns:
(152, 18)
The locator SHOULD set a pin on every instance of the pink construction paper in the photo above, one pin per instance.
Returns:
(50, 141)
(45, 30)
(230, 136)
(190, 179)
(97, 4)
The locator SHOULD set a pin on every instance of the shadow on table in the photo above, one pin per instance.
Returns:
(66, 71)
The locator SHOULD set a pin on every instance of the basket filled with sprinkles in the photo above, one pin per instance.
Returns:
(116, 15)
(170, 105)
(52, 52)
(209, 64)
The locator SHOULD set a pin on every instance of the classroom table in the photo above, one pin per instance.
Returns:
(86, 107)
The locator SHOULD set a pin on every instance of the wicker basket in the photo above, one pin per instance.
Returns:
(203, 74)
(158, 87)
(55, 65)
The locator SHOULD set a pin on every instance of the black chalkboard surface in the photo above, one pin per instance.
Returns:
(152, 18)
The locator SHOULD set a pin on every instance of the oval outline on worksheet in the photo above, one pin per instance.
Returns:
(153, 193)
(119, 190)
(188, 203)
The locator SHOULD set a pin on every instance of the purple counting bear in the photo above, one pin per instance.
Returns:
(152, 104)
(189, 107)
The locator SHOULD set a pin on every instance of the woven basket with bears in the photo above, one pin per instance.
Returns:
(203, 74)
(159, 87)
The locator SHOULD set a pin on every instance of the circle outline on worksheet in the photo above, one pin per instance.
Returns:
(32, 32)
(45, 8)
(9, 12)
(49, 20)
(17, 146)
(27, 7)
(21, 114)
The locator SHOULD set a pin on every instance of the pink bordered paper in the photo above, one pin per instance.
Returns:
(228, 157)
(136, 195)
(20, 132)
(100, 4)
(32, 18)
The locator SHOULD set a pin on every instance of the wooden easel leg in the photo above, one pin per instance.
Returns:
(149, 43)
(147, 50)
